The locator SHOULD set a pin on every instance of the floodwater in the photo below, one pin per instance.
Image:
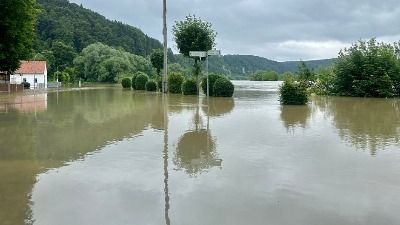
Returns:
(111, 156)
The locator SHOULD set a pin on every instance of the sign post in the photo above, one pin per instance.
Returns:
(210, 52)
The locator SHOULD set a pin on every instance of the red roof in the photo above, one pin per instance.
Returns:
(29, 67)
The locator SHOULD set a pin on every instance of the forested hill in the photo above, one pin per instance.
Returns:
(63, 29)
(244, 65)
(60, 20)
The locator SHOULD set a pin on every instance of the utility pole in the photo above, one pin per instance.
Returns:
(165, 76)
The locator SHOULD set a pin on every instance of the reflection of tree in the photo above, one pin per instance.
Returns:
(295, 115)
(217, 106)
(367, 123)
(196, 150)
(177, 103)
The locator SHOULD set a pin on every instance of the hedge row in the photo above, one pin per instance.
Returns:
(219, 86)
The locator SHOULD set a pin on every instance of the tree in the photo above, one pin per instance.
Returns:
(16, 32)
(304, 73)
(102, 63)
(368, 69)
(157, 59)
(193, 34)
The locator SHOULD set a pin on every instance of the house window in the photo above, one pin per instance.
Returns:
(24, 80)
(35, 80)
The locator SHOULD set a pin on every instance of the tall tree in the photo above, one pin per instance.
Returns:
(157, 59)
(17, 22)
(194, 34)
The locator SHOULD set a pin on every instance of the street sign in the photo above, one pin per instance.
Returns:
(200, 54)
(214, 52)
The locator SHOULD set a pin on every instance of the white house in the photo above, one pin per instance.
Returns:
(33, 72)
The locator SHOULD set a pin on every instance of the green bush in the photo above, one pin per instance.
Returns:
(189, 87)
(211, 80)
(27, 85)
(223, 87)
(159, 81)
(141, 80)
(134, 80)
(151, 85)
(126, 82)
(293, 93)
(175, 81)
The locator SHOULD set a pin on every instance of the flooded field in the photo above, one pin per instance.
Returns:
(112, 156)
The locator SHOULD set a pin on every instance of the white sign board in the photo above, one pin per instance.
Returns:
(198, 54)
(214, 52)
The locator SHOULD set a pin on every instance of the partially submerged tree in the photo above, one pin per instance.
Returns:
(368, 69)
(193, 34)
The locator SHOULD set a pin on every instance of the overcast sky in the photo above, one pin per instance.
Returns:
(281, 30)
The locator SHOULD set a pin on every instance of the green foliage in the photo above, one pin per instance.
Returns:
(64, 55)
(16, 32)
(189, 86)
(72, 72)
(193, 34)
(126, 82)
(62, 76)
(159, 81)
(304, 73)
(288, 76)
(157, 59)
(368, 69)
(134, 79)
(211, 81)
(175, 81)
(223, 87)
(293, 93)
(261, 75)
(324, 84)
(76, 26)
(102, 63)
(141, 80)
(151, 85)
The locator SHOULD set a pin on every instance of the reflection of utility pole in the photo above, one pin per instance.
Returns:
(165, 77)
(165, 156)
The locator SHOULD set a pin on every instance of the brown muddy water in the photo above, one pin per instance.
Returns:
(110, 156)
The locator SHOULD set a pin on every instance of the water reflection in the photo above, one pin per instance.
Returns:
(295, 116)
(366, 123)
(216, 107)
(196, 148)
(196, 152)
(109, 157)
(23, 102)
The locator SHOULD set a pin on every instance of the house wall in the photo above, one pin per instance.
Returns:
(41, 79)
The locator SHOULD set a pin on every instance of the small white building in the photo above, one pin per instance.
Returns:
(33, 72)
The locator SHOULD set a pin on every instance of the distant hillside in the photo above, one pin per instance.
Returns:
(76, 26)
(244, 65)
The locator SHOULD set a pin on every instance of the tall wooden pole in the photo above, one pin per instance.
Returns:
(165, 77)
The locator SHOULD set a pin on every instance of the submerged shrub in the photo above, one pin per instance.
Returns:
(133, 81)
(151, 85)
(175, 81)
(189, 87)
(141, 80)
(211, 80)
(126, 82)
(293, 93)
(223, 87)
